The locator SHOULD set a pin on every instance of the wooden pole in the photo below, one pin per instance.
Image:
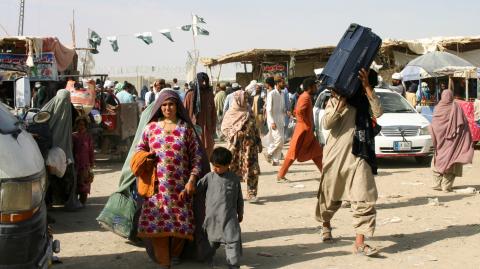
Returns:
(194, 49)
(466, 89)
(72, 29)
(219, 71)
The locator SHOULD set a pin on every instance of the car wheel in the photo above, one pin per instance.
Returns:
(423, 160)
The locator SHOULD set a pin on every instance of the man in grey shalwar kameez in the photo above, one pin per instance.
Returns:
(223, 207)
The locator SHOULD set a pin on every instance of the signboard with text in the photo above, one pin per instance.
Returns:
(44, 67)
(273, 69)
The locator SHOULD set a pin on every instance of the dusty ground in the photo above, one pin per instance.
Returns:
(281, 231)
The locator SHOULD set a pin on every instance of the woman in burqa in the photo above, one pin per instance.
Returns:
(452, 141)
(349, 161)
(62, 190)
(200, 105)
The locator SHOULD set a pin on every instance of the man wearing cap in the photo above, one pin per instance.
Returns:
(275, 107)
(229, 98)
(219, 102)
(397, 85)
(40, 97)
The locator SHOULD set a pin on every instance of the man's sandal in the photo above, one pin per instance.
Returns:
(327, 235)
(364, 250)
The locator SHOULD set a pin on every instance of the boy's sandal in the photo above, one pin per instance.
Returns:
(364, 250)
(327, 235)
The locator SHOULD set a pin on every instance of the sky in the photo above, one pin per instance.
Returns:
(233, 25)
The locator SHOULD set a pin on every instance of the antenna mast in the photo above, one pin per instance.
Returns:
(21, 17)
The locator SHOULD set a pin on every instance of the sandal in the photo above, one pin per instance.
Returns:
(327, 235)
(364, 250)
(282, 180)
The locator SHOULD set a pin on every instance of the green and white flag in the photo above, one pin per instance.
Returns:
(94, 40)
(114, 42)
(167, 34)
(185, 28)
(145, 37)
(200, 31)
(198, 19)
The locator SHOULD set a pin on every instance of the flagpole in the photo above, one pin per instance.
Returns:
(85, 57)
(194, 47)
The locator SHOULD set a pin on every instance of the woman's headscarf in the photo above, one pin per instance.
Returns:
(166, 94)
(450, 134)
(235, 117)
(60, 123)
(201, 78)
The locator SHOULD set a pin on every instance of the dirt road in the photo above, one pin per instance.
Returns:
(281, 232)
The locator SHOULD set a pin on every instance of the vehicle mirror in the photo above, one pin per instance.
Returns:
(41, 117)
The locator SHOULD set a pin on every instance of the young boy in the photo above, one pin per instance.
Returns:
(223, 206)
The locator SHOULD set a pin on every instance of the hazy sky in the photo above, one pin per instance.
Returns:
(233, 25)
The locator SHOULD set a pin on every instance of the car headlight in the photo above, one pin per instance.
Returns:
(424, 131)
(21, 195)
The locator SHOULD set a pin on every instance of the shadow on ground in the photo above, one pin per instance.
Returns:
(422, 201)
(287, 197)
(82, 220)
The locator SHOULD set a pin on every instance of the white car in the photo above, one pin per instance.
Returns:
(404, 131)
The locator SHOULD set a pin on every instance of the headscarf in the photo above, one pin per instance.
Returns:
(119, 87)
(201, 77)
(236, 116)
(60, 123)
(152, 112)
(450, 134)
(364, 138)
(182, 113)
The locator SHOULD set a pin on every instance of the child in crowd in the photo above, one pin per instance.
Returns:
(83, 154)
(223, 206)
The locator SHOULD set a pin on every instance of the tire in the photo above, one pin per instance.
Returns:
(423, 160)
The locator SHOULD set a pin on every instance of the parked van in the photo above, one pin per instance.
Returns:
(24, 239)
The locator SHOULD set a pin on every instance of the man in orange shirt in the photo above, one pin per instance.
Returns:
(303, 146)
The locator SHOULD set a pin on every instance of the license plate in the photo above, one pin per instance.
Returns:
(402, 145)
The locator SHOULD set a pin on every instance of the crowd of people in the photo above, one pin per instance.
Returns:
(188, 190)
(252, 120)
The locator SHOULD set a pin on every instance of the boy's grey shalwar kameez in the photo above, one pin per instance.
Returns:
(224, 201)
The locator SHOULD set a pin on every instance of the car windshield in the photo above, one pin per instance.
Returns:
(8, 123)
(394, 103)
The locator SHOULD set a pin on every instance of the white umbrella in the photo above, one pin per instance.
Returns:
(435, 64)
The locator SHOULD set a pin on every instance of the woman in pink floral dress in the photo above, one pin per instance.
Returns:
(167, 217)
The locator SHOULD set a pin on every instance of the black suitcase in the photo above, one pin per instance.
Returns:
(356, 50)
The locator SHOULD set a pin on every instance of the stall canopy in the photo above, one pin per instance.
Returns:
(436, 64)
(35, 46)
(393, 55)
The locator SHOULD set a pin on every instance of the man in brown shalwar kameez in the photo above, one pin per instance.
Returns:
(349, 162)
(200, 106)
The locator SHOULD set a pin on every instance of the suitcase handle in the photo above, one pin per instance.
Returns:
(351, 30)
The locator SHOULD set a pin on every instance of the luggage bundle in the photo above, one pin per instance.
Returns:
(356, 50)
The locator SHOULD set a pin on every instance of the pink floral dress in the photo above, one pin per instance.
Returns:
(179, 156)
(468, 110)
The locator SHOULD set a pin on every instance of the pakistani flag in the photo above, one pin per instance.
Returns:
(94, 40)
(200, 31)
(114, 42)
(198, 19)
(145, 37)
(185, 28)
(167, 34)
